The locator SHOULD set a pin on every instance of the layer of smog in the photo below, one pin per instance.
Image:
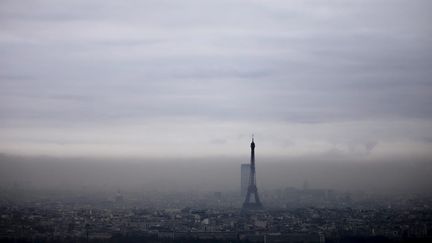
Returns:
(211, 174)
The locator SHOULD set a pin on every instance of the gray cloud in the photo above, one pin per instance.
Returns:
(67, 64)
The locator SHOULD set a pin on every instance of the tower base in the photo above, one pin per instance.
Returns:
(252, 208)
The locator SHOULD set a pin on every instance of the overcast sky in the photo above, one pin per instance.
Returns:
(195, 78)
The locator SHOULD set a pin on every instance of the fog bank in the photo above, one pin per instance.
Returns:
(211, 174)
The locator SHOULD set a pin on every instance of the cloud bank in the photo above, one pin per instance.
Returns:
(196, 78)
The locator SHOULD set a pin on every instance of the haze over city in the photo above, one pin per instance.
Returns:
(131, 105)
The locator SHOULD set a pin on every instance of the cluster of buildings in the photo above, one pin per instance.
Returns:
(93, 220)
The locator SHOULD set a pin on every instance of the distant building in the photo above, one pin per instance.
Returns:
(119, 197)
(218, 195)
(245, 171)
(306, 185)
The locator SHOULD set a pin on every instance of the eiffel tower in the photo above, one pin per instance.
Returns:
(252, 191)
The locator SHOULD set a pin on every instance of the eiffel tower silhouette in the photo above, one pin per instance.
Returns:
(252, 191)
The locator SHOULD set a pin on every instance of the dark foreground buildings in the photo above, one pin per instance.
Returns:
(88, 219)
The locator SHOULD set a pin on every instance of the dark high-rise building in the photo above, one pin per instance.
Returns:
(244, 176)
(252, 191)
